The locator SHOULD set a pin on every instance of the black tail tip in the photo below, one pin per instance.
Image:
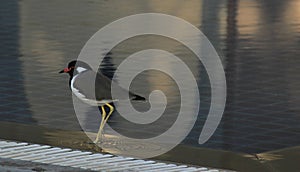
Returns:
(139, 98)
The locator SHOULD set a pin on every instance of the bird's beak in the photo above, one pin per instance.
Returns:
(65, 70)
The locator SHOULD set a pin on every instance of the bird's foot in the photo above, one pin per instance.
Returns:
(97, 141)
(99, 138)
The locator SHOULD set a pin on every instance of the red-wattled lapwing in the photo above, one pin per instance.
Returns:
(81, 78)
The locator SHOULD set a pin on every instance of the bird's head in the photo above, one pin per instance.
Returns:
(75, 67)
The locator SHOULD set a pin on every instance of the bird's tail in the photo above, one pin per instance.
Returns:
(138, 98)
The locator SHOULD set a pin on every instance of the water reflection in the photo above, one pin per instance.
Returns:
(292, 15)
(14, 106)
(248, 17)
(258, 41)
(259, 70)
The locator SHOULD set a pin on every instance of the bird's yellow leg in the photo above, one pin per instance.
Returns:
(99, 134)
(111, 109)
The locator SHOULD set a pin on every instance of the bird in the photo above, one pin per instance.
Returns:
(81, 78)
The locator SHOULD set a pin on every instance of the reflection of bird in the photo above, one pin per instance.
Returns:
(81, 78)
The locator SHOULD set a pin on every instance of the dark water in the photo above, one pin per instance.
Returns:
(259, 43)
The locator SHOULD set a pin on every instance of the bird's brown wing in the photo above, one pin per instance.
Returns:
(102, 89)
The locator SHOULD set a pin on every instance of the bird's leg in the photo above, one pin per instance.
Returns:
(111, 109)
(99, 134)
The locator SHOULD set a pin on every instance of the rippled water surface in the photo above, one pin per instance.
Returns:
(258, 42)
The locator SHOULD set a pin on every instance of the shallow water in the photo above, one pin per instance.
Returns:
(258, 42)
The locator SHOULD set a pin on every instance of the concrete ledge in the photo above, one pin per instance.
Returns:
(65, 157)
(25, 166)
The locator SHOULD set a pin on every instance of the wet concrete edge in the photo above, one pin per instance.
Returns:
(284, 159)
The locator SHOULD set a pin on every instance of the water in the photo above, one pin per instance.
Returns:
(258, 41)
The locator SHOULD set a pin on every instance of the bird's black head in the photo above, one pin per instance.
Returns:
(74, 65)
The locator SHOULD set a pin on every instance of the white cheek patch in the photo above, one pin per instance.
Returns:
(80, 69)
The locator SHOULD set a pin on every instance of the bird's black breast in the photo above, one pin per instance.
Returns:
(93, 85)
